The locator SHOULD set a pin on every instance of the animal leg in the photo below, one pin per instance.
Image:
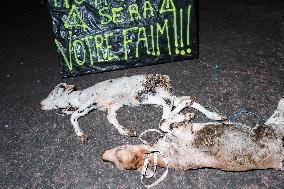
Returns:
(187, 101)
(180, 103)
(83, 110)
(112, 113)
(207, 113)
(166, 124)
(165, 103)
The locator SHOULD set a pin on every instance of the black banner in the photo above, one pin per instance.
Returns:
(100, 35)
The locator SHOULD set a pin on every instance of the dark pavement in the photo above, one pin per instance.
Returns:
(241, 66)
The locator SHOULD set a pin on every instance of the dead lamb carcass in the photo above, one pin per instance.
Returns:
(113, 94)
(225, 146)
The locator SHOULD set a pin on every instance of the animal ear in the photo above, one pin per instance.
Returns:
(124, 155)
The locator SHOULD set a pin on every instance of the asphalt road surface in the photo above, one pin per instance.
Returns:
(240, 67)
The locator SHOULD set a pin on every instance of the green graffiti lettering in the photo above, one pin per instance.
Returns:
(148, 7)
(133, 10)
(108, 48)
(116, 17)
(188, 25)
(55, 3)
(107, 17)
(127, 41)
(182, 52)
(67, 5)
(104, 1)
(99, 47)
(79, 46)
(142, 31)
(152, 38)
(148, 39)
(60, 50)
(169, 6)
(88, 38)
(181, 28)
(175, 31)
(161, 30)
(79, 2)
(188, 29)
(74, 19)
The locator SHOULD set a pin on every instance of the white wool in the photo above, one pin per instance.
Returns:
(177, 145)
(236, 148)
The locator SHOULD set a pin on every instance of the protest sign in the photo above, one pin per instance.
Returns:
(100, 35)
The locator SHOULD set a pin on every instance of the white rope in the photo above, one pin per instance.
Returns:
(147, 161)
(145, 167)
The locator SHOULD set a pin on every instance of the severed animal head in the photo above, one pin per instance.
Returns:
(55, 100)
(129, 157)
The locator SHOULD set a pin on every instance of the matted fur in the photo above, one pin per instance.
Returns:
(225, 146)
(113, 94)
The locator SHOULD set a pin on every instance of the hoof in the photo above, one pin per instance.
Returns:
(130, 132)
(84, 139)
(193, 99)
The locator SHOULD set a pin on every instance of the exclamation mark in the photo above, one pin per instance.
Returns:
(175, 30)
(152, 37)
(188, 29)
(182, 52)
